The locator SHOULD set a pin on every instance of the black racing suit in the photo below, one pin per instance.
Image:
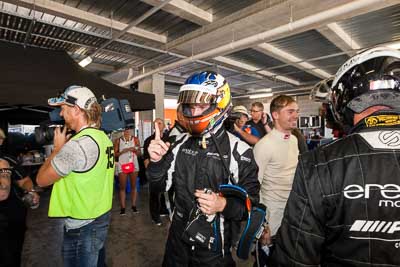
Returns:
(344, 207)
(188, 167)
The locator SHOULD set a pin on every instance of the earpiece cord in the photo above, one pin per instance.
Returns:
(222, 158)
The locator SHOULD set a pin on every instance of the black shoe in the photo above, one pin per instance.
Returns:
(122, 212)
(157, 222)
(134, 209)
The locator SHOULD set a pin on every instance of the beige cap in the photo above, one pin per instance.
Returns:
(240, 109)
(2, 134)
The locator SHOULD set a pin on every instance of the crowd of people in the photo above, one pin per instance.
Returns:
(333, 206)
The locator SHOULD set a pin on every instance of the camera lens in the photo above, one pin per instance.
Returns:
(44, 134)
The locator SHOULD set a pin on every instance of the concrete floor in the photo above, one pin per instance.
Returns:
(133, 240)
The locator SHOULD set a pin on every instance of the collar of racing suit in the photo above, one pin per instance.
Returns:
(382, 119)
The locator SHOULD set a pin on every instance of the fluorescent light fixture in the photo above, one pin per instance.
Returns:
(260, 95)
(395, 45)
(262, 90)
(86, 61)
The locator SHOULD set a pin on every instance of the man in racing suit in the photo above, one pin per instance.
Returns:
(344, 206)
(194, 163)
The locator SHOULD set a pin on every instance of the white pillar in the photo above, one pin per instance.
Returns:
(154, 85)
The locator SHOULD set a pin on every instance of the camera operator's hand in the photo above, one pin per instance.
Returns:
(157, 148)
(236, 128)
(60, 137)
(210, 203)
(264, 118)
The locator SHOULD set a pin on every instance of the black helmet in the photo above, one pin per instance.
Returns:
(370, 78)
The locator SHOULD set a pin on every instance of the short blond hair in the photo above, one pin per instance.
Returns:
(2, 134)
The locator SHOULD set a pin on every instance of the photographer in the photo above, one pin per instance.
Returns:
(81, 168)
(195, 164)
(242, 130)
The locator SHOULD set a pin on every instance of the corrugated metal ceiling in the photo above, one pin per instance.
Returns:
(79, 39)
(374, 28)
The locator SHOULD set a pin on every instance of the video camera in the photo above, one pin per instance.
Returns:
(116, 115)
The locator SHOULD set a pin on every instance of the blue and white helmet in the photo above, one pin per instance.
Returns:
(204, 88)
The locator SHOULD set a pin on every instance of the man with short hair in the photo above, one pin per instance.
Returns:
(259, 120)
(6, 258)
(81, 169)
(276, 156)
(5, 179)
(343, 208)
(14, 183)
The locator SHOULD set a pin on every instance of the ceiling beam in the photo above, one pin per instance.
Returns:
(75, 14)
(290, 59)
(248, 67)
(184, 10)
(100, 67)
(341, 39)
(174, 79)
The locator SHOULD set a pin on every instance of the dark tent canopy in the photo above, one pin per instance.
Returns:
(29, 76)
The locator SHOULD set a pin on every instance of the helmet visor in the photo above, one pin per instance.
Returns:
(196, 94)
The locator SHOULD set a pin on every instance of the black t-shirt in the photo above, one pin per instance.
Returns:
(12, 210)
(259, 127)
(12, 217)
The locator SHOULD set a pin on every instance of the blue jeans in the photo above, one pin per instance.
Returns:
(81, 246)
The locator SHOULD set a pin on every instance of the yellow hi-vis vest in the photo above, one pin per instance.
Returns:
(86, 195)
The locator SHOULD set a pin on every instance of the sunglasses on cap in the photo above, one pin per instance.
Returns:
(62, 98)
